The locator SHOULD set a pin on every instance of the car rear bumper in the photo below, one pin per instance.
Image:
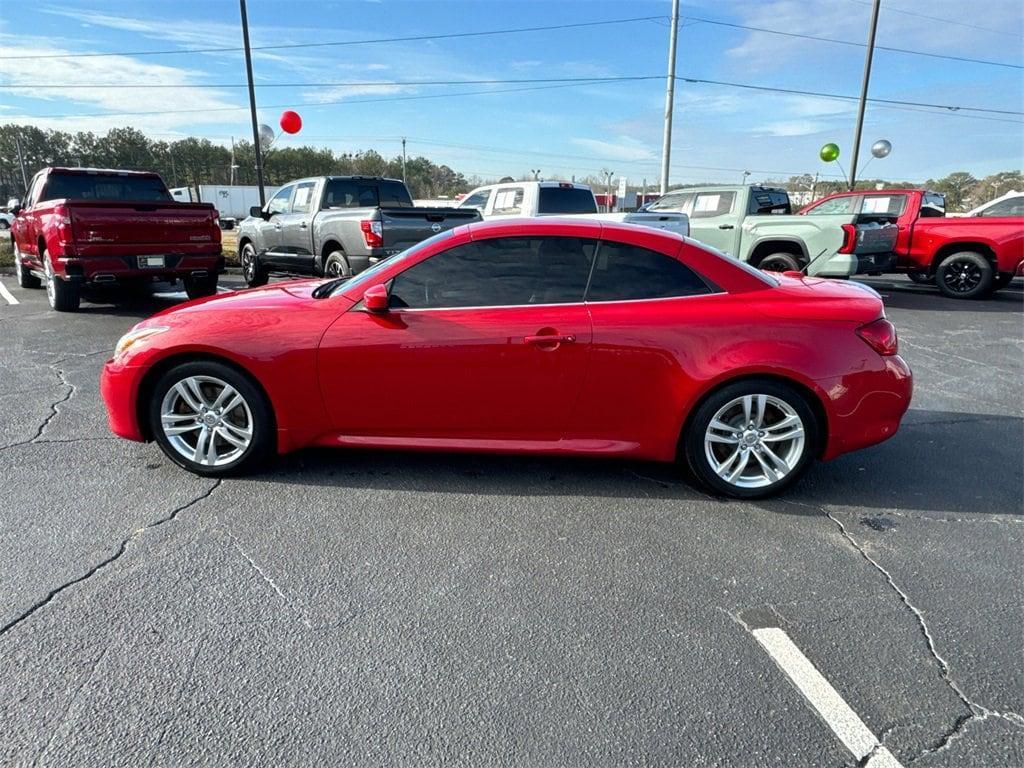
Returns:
(119, 387)
(866, 408)
(112, 269)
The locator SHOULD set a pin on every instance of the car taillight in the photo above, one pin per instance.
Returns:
(849, 238)
(880, 336)
(373, 233)
(61, 218)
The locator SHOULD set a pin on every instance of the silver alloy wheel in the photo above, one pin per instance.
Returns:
(249, 262)
(206, 420)
(51, 289)
(754, 441)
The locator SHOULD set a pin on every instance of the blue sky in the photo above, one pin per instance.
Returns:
(719, 131)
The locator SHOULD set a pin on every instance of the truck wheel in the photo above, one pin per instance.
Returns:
(198, 287)
(62, 295)
(337, 265)
(965, 275)
(779, 262)
(921, 278)
(751, 439)
(254, 274)
(25, 277)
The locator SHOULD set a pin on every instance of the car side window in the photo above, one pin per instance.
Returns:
(33, 193)
(508, 202)
(506, 271)
(887, 204)
(672, 202)
(1012, 206)
(707, 205)
(477, 200)
(303, 202)
(628, 273)
(279, 202)
(835, 205)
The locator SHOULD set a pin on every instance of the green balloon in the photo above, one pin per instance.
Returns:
(829, 152)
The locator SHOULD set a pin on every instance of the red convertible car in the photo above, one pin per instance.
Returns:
(525, 336)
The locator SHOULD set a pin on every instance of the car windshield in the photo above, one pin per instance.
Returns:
(104, 186)
(366, 279)
(554, 200)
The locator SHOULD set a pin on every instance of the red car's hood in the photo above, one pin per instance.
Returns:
(843, 300)
(294, 294)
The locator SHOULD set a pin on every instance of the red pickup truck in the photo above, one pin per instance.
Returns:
(967, 258)
(81, 227)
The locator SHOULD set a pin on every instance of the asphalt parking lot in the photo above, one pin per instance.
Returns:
(392, 608)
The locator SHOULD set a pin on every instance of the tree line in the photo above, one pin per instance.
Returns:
(192, 161)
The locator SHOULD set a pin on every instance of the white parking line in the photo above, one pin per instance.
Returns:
(826, 701)
(7, 294)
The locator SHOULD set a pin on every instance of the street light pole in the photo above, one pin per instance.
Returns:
(257, 150)
(864, 91)
(670, 89)
(403, 160)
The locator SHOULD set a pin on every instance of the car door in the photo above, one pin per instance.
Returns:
(24, 228)
(485, 341)
(714, 220)
(296, 246)
(271, 227)
(646, 307)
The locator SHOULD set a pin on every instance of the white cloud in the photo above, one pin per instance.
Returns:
(343, 92)
(790, 128)
(623, 148)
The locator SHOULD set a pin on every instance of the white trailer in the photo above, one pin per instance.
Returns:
(232, 202)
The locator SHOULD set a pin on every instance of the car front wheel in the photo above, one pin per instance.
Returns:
(751, 439)
(254, 273)
(25, 277)
(211, 419)
(965, 275)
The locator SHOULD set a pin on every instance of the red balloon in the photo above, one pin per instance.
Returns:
(291, 122)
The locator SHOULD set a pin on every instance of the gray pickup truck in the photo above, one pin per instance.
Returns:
(336, 226)
(755, 224)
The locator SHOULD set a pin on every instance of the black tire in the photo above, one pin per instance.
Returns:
(1001, 280)
(965, 275)
(336, 265)
(4, 226)
(262, 443)
(779, 262)
(200, 287)
(25, 277)
(62, 295)
(797, 453)
(255, 274)
(921, 278)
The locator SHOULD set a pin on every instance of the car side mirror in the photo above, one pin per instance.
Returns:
(376, 298)
(257, 212)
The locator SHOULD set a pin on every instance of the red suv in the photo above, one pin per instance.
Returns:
(83, 227)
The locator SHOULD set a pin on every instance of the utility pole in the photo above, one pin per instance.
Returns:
(608, 191)
(257, 150)
(232, 174)
(814, 186)
(868, 56)
(403, 160)
(670, 88)
(21, 162)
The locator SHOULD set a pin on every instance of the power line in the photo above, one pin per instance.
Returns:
(943, 19)
(342, 84)
(289, 46)
(851, 43)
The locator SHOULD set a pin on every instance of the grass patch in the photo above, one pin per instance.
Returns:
(6, 253)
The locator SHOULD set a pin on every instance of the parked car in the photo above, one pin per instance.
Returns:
(754, 224)
(525, 336)
(1010, 204)
(82, 227)
(233, 203)
(6, 219)
(560, 198)
(336, 226)
(966, 257)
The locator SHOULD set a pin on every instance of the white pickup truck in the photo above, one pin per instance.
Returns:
(518, 199)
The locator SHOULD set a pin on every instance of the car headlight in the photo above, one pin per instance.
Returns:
(136, 335)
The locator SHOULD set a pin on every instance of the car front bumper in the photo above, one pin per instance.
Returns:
(119, 387)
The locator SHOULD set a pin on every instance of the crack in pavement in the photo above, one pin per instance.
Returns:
(121, 549)
(269, 580)
(975, 711)
(41, 430)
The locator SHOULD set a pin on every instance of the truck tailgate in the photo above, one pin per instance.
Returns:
(142, 226)
(404, 227)
(875, 236)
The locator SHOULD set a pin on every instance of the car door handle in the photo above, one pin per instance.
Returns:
(277, 227)
(550, 338)
(303, 225)
(726, 226)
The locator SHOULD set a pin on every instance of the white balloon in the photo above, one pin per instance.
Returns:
(881, 148)
(266, 136)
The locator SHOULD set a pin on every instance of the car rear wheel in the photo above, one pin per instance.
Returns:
(337, 265)
(63, 296)
(751, 439)
(965, 275)
(25, 277)
(210, 419)
(254, 274)
(198, 287)
(779, 262)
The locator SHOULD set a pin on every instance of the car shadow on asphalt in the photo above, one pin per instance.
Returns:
(940, 462)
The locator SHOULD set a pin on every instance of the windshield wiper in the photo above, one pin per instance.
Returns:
(326, 289)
